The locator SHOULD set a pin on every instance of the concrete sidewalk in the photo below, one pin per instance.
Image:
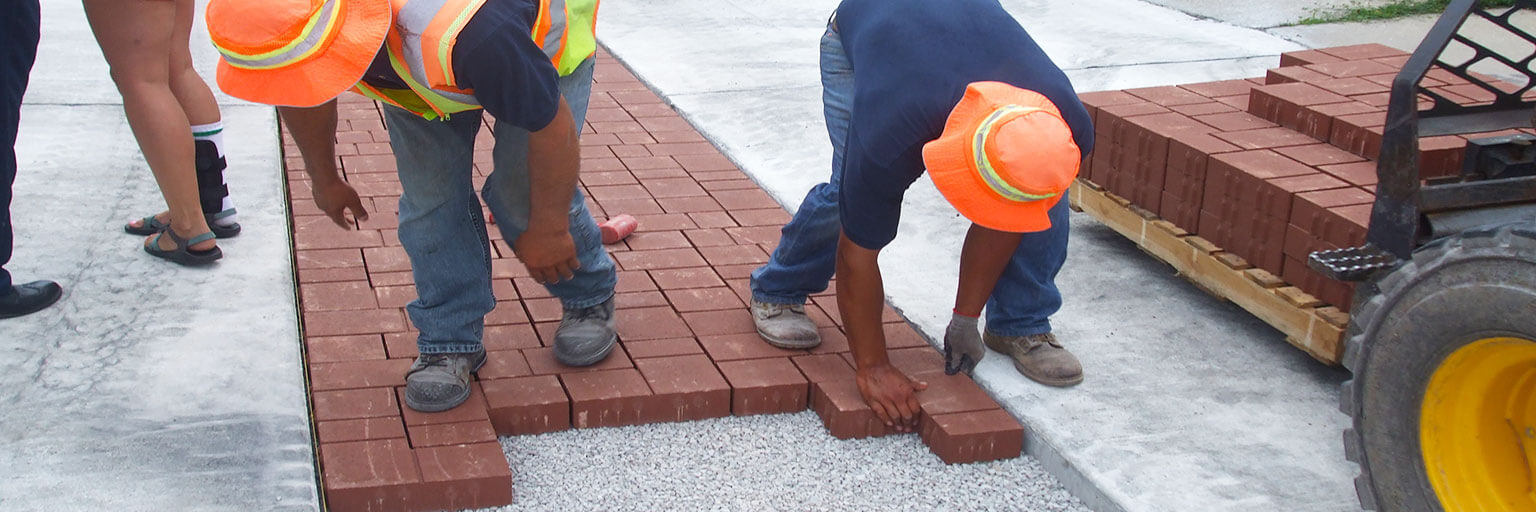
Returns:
(149, 386)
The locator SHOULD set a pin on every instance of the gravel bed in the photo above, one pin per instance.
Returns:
(774, 462)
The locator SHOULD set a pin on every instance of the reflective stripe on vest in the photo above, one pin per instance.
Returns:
(549, 30)
(420, 48)
(432, 28)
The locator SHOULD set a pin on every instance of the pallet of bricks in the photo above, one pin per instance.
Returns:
(1256, 174)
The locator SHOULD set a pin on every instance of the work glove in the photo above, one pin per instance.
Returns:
(962, 345)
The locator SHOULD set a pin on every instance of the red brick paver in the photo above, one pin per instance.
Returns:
(1290, 170)
(687, 351)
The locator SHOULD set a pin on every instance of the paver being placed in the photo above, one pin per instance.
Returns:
(688, 349)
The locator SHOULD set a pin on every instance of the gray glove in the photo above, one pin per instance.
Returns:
(962, 345)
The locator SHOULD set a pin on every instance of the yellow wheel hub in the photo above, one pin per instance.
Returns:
(1478, 427)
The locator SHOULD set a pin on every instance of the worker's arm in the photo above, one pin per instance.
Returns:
(554, 161)
(860, 299)
(983, 258)
(314, 130)
(515, 82)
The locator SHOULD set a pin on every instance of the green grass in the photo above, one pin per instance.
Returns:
(1396, 9)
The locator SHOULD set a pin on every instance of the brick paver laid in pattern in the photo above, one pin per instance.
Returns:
(687, 347)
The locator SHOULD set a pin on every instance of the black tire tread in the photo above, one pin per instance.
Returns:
(1494, 240)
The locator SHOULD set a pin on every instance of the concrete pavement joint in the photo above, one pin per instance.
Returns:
(1189, 61)
(745, 89)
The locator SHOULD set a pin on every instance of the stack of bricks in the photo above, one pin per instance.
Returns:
(687, 347)
(1269, 169)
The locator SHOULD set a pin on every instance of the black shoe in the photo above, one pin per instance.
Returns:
(25, 299)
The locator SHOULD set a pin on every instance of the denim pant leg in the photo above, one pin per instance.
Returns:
(442, 229)
(1026, 296)
(807, 254)
(507, 193)
(19, 25)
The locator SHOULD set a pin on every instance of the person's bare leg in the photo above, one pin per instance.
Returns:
(191, 91)
(136, 37)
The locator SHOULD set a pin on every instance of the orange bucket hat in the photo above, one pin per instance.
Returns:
(295, 52)
(1005, 158)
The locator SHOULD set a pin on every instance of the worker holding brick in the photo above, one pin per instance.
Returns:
(957, 86)
(437, 66)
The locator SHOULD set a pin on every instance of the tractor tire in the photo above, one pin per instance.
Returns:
(1432, 430)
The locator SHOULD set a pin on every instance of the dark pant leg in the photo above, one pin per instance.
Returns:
(1026, 296)
(19, 33)
(806, 257)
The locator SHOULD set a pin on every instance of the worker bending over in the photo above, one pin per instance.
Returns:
(436, 64)
(959, 87)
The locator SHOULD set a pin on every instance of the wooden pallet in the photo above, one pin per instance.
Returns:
(1307, 323)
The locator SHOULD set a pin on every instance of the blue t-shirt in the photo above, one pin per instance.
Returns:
(495, 57)
(911, 62)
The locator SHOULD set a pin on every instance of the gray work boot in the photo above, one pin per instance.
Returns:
(586, 335)
(438, 382)
(1039, 357)
(784, 325)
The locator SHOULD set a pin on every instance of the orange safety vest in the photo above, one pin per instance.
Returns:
(420, 49)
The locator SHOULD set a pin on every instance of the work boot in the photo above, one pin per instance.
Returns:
(586, 335)
(438, 382)
(784, 325)
(1039, 357)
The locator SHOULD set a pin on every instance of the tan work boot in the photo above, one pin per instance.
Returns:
(785, 325)
(1039, 357)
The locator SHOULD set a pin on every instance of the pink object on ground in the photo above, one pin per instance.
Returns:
(618, 228)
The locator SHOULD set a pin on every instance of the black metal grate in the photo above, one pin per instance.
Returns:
(1450, 116)
(1398, 223)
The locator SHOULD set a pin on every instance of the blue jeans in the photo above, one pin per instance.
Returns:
(19, 25)
(1025, 296)
(443, 231)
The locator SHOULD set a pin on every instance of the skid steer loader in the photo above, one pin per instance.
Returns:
(1442, 344)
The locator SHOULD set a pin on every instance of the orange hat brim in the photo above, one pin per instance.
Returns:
(952, 167)
(364, 25)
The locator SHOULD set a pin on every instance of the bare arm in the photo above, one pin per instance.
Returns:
(314, 131)
(860, 297)
(554, 160)
(982, 260)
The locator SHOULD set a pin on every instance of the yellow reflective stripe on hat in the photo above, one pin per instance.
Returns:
(303, 47)
(989, 175)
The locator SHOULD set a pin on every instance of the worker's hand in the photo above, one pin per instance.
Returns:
(335, 198)
(962, 345)
(890, 394)
(549, 254)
